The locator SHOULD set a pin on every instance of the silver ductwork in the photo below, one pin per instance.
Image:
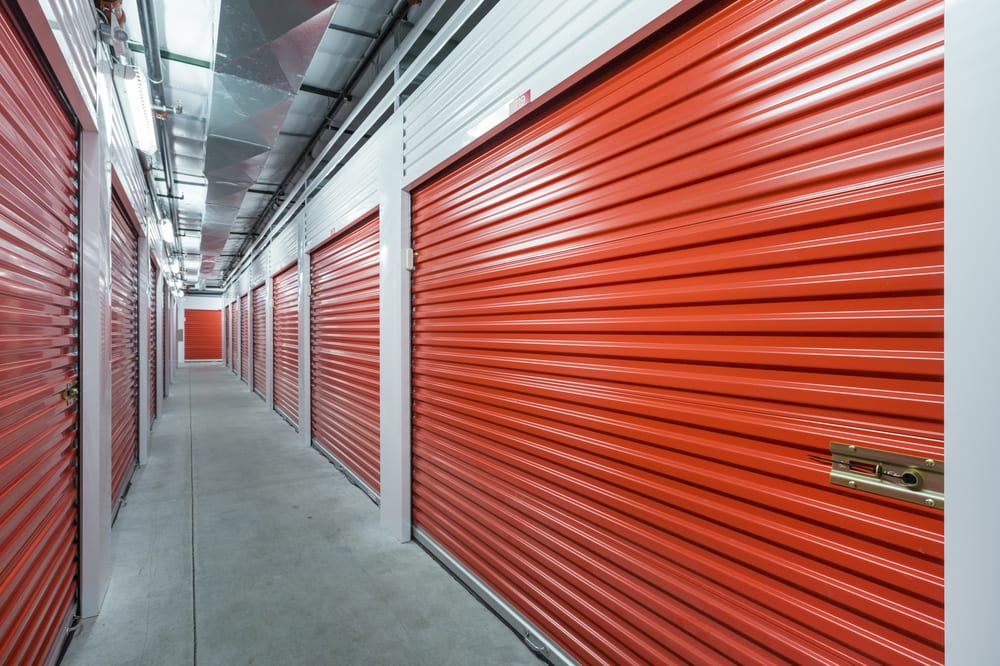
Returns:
(264, 48)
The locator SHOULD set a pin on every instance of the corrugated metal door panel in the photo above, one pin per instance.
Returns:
(234, 335)
(169, 338)
(38, 356)
(202, 335)
(244, 336)
(259, 335)
(637, 316)
(225, 335)
(286, 342)
(154, 276)
(344, 306)
(124, 349)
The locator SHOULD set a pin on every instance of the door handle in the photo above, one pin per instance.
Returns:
(904, 477)
(71, 393)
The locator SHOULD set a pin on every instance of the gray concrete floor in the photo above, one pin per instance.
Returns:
(239, 545)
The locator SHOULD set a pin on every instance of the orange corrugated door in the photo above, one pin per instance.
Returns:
(225, 335)
(169, 339)
(244, 336)
(345, 351)
(234, 335)
(640, 312)
(154, 276)
(286, 343)
(259, 336)
(38, 356)
(202, 335)
(124, 349)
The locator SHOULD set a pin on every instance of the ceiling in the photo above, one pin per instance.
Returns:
(251, 90)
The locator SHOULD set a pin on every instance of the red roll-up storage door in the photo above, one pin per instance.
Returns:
(234, 335)
(38, 356)
(345, 350)
(244, 336)
(225, 335)
(639, 313)
(259, 337)
(202, 335)
(286, 343)
(154, 276)
(124, 349)
(169, 339)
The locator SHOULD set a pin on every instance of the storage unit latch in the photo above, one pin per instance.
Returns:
(896, 475)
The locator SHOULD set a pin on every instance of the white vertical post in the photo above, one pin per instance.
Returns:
(144, 290)
(95, 368)
(394, 337)
(972, 331)
(305, 348)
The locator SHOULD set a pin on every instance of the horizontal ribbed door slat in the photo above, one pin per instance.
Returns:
(124, 349)
(39, 562)
(202, 335)
(344, 306)
(638, 314)
(286, 342)
(259, 337)
(244, 336)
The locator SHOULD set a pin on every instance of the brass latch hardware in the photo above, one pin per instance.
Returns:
(896, 475)
(71, 393)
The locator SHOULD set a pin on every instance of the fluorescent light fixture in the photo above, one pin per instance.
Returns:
(167, 231)
(134, 97)
(174, 267)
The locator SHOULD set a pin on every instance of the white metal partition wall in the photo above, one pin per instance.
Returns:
(972, 357)
(517, 53)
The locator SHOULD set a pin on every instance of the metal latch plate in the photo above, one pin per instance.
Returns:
(900, 476)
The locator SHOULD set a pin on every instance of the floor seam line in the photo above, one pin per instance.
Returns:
(194, 591)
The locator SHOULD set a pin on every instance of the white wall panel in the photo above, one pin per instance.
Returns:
(202, 302)
(243, 283)
(127, 168)
(520, 46)
(352, 192)
(972, 327)
(259, 268)
(284, 249)
(73, 23)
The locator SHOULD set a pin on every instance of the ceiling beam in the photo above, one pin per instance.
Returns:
(353, 31)
(136, 47)
(177, 181)
(316, 90)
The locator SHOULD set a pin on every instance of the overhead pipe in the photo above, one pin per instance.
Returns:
(398, 12)
(150, 38)
(154, 67)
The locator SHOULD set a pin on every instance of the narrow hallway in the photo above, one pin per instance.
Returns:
(260, 552)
